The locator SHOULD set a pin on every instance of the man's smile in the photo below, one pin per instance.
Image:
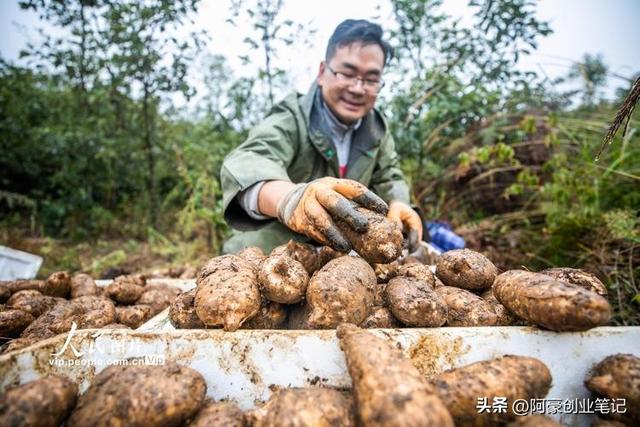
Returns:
(352, 104)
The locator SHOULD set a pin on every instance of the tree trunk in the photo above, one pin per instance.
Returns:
(82, 69)
(148, 145)
(267, 54)
(268, 16)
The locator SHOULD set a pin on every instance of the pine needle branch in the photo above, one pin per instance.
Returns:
(623, 116)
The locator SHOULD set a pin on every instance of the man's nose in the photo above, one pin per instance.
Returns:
(357, 87)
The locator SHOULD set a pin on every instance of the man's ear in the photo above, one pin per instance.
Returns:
(320, 78)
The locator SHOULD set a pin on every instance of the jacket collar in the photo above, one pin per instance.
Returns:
(306, 102)
(373, 125)
(366, 139)
(332, 120)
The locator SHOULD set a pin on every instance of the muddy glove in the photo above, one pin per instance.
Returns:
(409, 221)
(311, 208)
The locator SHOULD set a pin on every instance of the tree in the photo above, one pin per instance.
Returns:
(131, 48)
(592, 72)
(270, 34)
(75, 55)
(142, 36)
(228, 101)
(103, 82)
(449, 76)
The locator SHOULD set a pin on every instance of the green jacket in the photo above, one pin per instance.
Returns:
(289, 145)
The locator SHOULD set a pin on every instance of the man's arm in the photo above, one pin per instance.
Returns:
(271, 194)
(307, 208)
(261, 205)
(310, 208)
(263, 157)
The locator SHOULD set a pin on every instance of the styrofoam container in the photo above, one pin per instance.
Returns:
(15, 264)
(247, 365)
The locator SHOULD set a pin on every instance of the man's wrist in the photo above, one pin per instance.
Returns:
(270, 195)
(289, 203)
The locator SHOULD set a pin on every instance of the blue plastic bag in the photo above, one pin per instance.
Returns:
(442, 237)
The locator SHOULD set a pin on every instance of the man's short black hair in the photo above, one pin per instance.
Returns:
(358, 31)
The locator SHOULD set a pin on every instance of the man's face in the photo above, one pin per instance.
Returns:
(350, 102)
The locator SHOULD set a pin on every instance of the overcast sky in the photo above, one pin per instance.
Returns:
(609, 27)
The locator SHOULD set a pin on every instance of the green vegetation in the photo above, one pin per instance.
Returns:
(100, 168)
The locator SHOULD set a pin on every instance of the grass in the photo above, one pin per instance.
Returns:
(95, 257)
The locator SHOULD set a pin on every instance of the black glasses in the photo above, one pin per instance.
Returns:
(371, 86)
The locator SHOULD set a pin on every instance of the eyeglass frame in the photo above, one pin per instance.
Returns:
(350, 81)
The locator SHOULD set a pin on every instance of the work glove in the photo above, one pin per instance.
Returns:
(311, 208)
(408, 220)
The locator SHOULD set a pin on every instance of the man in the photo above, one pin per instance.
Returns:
(316, 155)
